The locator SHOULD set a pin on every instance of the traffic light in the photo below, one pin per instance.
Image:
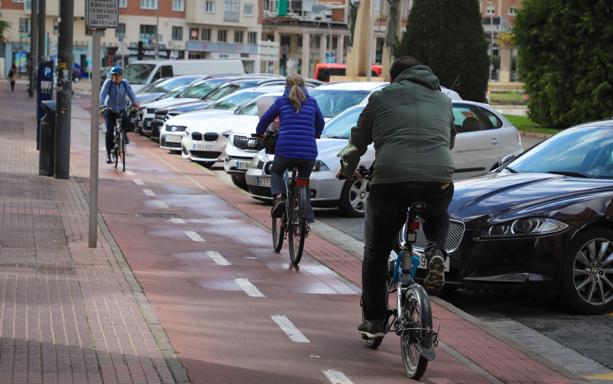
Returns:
(141, 52)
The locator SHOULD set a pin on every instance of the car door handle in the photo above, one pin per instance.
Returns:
(494, 141)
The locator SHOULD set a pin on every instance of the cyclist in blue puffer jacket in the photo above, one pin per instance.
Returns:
(301, 122)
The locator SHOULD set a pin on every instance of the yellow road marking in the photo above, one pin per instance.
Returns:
(603, 376)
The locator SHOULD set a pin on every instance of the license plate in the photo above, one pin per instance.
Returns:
(262, 181)
(202, 146)
(423, 263)
(147, 123)
(173, 138)
(242, 165)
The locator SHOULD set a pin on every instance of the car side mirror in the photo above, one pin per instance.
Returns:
(507, 159)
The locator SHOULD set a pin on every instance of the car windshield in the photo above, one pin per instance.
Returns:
(221, 92)
(138, 73)
(234, 100)
(170, 84)
(581, 152)
(333, 102)
(340, 127)
(200, 90)
(150, 87)
(174, 92)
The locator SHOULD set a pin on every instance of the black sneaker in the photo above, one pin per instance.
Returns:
(372, 329)
(278, 207)
(435, 279)
(125, 138)
(108, 160)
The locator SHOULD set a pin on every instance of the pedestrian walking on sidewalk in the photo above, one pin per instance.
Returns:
(13, 77)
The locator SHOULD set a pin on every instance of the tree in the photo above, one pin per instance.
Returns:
(4, 26)
(565, 60)
(447, 36)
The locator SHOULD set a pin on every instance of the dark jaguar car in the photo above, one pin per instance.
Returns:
(542, 221)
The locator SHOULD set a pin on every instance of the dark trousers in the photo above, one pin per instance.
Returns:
(111, 118)
(12, 86)
(386, 212)
(279, 165)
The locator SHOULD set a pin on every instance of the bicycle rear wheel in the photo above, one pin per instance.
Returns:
(417, 316)
(278, 232)
(297, 229)
(116, 152)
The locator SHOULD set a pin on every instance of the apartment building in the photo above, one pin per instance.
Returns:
(497, 18)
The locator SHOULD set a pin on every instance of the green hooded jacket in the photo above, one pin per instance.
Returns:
(410, 123)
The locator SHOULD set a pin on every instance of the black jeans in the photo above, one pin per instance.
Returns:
(386, 212)
(279, 165)
(111, 118)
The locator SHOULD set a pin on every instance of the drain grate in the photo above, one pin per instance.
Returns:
(157, 215)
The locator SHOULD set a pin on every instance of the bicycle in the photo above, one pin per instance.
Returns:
(119, 139)
(412, 317)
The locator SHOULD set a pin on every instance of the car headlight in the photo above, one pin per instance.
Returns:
(533, 226)
(320, 166)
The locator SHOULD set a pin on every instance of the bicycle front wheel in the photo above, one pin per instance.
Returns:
(296, 230)
(122, 150)
(417, 317)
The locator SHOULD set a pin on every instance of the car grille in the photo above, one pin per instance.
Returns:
(454, 237)
(151, 110)
(211, 136)
(170, 145)
(175, 128)
(206, 154)
(259, 191)
(197, 136)
(247, 143)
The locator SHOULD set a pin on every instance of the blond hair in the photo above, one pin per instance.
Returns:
(296, 94)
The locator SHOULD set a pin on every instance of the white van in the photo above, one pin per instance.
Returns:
(142, 72)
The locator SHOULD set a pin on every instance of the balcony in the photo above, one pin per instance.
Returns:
(207, 46)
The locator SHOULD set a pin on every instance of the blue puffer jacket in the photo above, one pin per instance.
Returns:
(298, 130)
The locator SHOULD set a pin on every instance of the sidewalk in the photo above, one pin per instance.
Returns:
(69, 313)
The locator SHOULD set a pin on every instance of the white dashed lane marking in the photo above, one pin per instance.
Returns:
(337, 377)
(176, 220)
(290, 329)
(130, 173)
(194, 236)
(217, 258)
(139, 182)
(160, 204)
(148, 192)
(249, 288)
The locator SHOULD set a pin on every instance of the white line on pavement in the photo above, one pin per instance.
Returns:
(194, 236)
(290, 330)
(176, 220)
(160, 204)
(139, 182)
(130, 173)
(148, 192)
(249, 288)
(337, 377)
(217, 258)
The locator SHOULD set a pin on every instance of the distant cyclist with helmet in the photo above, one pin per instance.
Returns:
(113, 99)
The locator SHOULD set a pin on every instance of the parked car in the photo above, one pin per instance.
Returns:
(323, 71)
(161, 87)
(173, 129)
(206, 143)
(484, 137)
(541, 221)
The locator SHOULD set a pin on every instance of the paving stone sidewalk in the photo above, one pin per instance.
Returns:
(68, 313)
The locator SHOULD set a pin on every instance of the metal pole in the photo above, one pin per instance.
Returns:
(371, 37)
(41, 30)
(33, 47)
(64, 90)
(94, 150)
(157, 29)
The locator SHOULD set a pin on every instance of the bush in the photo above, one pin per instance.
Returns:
(447, 36)
(565, 59)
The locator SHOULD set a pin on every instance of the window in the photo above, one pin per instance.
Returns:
(17, 1)
(123, 3)
(177, 33)
(238, 37)
(193, 33)
(494, 120)
(512, 11)
(468, 119)
(222, 35)
(178, 5)
(231, 10)
(147, 33)
(252, 37)
(248, 10)
(120, 31)
(209, 7)
(149, 4)
(206, 34)
(24, 25)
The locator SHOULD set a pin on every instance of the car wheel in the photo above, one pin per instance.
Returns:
(353, 197)
(239, 182)
(587, 281)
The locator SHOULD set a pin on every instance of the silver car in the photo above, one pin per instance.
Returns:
(484, 137)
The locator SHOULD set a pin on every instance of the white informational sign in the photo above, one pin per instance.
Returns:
(100, 14)
(269, 50)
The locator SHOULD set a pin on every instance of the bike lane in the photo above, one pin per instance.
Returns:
(231, 307)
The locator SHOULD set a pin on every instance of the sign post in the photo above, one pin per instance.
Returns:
(99, 15)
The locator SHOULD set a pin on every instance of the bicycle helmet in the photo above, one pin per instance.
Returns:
(116, 70)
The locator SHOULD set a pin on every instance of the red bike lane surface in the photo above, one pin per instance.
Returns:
(231, 307)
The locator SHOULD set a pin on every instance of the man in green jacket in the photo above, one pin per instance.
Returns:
(410, 123)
